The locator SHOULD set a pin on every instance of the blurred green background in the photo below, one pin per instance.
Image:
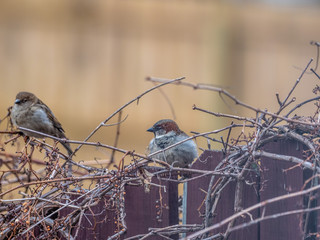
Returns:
(85, 59)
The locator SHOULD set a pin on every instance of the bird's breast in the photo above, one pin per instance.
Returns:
(33, 118)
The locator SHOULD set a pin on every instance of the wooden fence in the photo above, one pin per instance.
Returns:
(159, 207)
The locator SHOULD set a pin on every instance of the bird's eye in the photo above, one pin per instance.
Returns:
(19, 101)
(157, 127)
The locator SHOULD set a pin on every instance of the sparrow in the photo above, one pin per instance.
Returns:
(30, 112)
(166, 133)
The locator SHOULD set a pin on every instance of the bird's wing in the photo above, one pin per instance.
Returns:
(52, 118)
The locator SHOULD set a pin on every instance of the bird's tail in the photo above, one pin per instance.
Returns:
(67, 147)
(69, 164)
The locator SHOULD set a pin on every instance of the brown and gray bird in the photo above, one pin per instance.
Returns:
(166, 133)
(30, 112)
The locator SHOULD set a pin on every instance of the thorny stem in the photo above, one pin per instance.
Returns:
(294, 86)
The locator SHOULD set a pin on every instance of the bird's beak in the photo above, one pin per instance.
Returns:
(17, 101)
(150, 129)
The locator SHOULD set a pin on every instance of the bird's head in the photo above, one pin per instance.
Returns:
(25, 99)
(163, 127)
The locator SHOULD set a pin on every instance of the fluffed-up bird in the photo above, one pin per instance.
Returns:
(166, 133)
(30, 112)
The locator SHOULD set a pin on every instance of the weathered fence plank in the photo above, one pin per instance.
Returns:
(225, 208)
(277, 180)
(156, 209)
(197, 189)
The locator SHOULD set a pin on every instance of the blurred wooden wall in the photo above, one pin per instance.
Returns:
(85, 59)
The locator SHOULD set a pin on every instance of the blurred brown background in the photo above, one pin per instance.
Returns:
(85, 59)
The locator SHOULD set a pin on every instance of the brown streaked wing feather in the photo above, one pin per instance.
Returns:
(51, 116)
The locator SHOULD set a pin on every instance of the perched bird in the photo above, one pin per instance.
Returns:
(30, 112)
(166, 133)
